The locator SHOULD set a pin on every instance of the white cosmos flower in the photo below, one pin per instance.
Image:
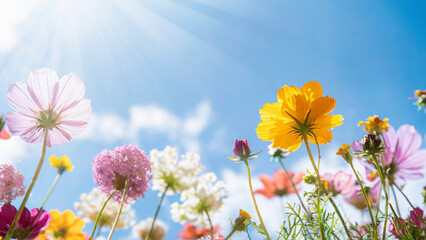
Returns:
(141, 230)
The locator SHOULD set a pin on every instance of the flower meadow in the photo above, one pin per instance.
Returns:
(49, 111)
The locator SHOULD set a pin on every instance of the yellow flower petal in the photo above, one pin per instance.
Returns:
(312, 90)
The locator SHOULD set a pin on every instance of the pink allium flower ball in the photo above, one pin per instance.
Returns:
(112, 168)
(11, 183)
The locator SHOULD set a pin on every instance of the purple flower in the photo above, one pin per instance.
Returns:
(404, 159)
(241, 148)
(416, 217)
(47, 103)
(393, 230)
(112, 168)
(28, 227)
(340, 182)
(11, 183)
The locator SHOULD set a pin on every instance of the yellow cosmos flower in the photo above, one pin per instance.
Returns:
(64, 226)
(244, 214)
(299, 112)
(62, 164)
(375, 124)
(345, 148)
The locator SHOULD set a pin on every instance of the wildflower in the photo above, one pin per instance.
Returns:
(416, 216)
(28, 227)
(242, 151)
(357, 200)
(190, 232)
(375, 124)
(206, 197)
(168, 171)
(65, 226)
(280, 184)
(371, 142)
(240, 222)
(398, 234)
(299, 112)
(11, 183)
(340, 183)
(403, 159)
(91, 203)
(62, 164)
(277, 153)
(4, 133)
(126, 163)
(48, 104)
(141, 230)
(420, 95)
(345, 152)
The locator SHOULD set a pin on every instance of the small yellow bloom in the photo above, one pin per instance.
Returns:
(325, 183)
(343, 149)
(375, 124)
(244, 214)
(65, 226)
(299, 112)
(62, 164)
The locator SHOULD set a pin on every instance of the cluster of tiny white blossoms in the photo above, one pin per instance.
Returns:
(168, 170)
(207, 196)
(141, 230)
(92, 202)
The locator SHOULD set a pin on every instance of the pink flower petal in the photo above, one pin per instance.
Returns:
(42, 87)
(20, 100)
(409, 141)
(71, 89)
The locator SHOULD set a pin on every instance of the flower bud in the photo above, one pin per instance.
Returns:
(309, 179)
(240, 221)
(370, 141)
(241, 148)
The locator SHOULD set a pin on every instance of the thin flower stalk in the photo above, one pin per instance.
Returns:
(366, 199)
(324, 189)
(254, 201)
(382, 180)
(295, 190)
(156, 212)
(30, 188)
(50, 190)
(396, 201)
(119, 211)
(100, 213)
(408, 200)
(210, 222)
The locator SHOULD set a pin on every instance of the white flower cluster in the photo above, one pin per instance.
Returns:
(206, 196)
(141, 230)
(215, 237)
(167, 170)
(91, 203)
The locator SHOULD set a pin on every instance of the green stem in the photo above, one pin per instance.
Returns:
(156, 212)
(396, 202)
(119, 211)
(51, 190)
(366, 199)
(30, 188)
(210, 222)
(230, 234)
(99, 214)
(294, 188)
(305, 138)
(382, 180)
(254, 201)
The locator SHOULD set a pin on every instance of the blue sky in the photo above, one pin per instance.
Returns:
(208, 66)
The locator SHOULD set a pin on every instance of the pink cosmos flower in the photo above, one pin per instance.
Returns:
(241, 148)
(47, 103)
(357, 200)
(11, 183)
(279, 185)
(112, 168)
(28, 227)
(340, 182)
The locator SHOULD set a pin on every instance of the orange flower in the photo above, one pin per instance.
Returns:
(375, 124)
(280, 185)
(299, 112)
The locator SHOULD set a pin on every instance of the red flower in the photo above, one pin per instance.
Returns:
(191, 232)
(280, 184)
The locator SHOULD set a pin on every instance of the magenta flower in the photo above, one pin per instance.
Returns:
(112, 168)
(46, 103)
(241, 148)
(416, 217)
(28, 227)
(393, 230)
(340, 182)
(11, 183)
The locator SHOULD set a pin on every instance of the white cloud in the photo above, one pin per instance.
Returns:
(110, 127)
(12, 14)
(12, 150)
